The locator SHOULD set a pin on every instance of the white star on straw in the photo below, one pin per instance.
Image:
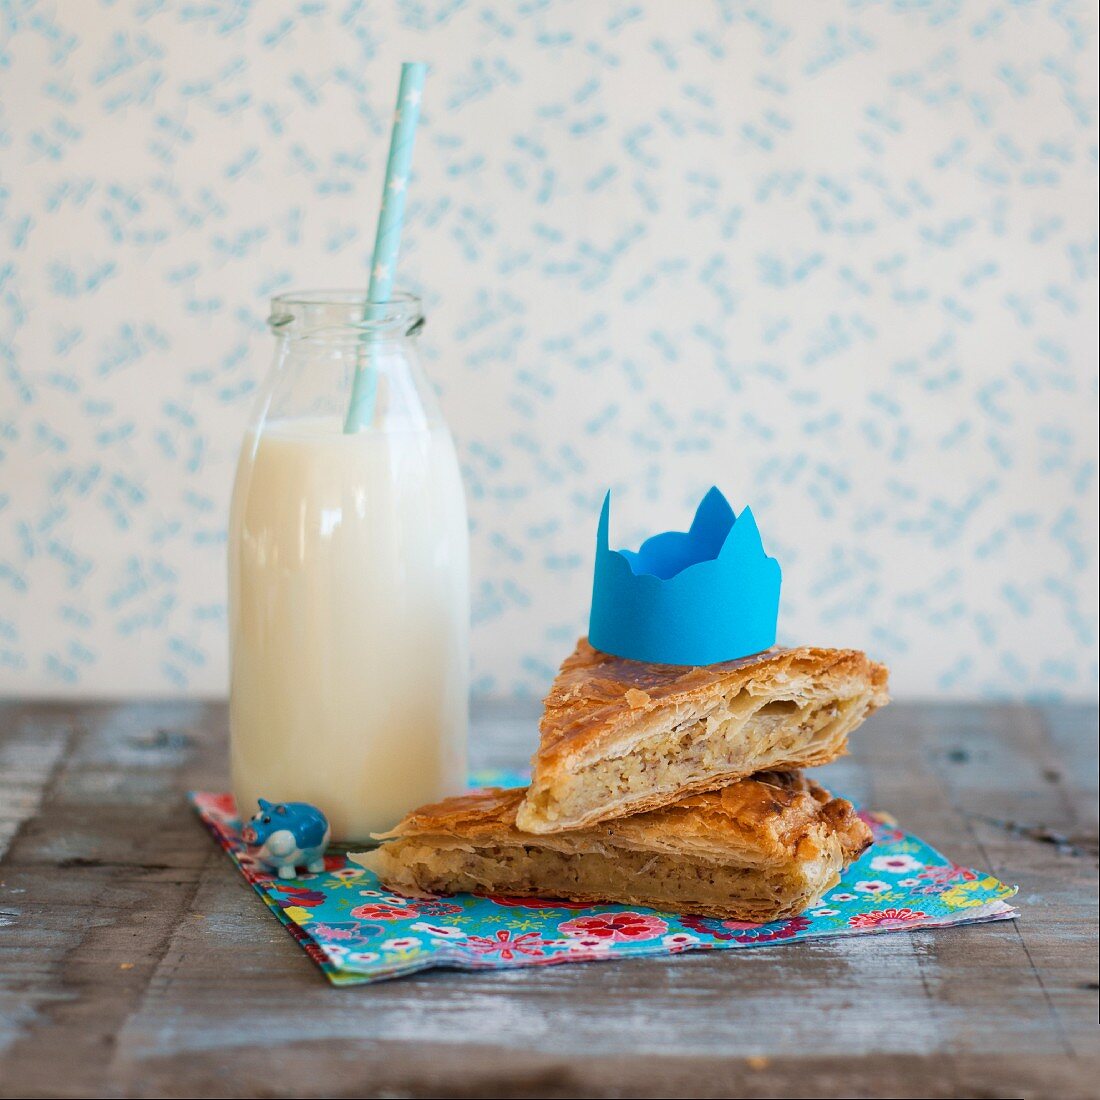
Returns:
(397, 185)
(380, 271)
(412, 98)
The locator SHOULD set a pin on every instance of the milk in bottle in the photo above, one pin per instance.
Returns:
(348, 578)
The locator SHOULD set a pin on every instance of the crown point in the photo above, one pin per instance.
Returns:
(602, 544)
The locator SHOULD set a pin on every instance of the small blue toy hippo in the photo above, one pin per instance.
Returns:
(285, 835)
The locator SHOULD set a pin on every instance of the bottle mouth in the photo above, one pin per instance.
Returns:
(343, 314)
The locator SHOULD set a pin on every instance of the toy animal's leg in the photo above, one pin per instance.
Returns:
(316, 865)
(288, 871)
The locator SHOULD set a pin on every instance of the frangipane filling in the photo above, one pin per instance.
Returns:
(530, 870)
(701, 747)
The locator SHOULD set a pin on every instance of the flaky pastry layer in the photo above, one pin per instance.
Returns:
(757, 850)
(621, 737)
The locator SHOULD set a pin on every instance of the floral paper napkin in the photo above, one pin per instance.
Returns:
(358, 932)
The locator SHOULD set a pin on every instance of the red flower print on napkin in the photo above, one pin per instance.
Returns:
(885, 918)
(298, 895)
(615, 927)
(384, 911)
(507, 946)
(742, 931)
(950, 873)
(217, 804)
(347, 932)
(782, 930)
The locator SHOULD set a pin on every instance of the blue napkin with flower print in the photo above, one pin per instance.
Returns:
(356, 931)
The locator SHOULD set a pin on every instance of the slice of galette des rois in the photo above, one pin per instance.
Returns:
(757, 850)
(620, 737)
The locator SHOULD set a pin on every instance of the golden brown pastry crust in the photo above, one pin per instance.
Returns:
(601, 707)
(780, 838)
(596, 695)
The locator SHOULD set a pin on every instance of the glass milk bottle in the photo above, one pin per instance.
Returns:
(348, 576)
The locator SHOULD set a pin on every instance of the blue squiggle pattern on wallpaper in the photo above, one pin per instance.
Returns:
(838, 258)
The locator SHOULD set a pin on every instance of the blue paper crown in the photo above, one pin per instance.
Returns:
(695, 598)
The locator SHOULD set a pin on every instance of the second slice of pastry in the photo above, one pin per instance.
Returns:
(620, 737)
(757, 850)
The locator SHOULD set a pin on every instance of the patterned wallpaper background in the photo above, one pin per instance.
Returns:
(838, 257)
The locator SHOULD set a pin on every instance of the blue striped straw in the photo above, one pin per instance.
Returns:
(387, 241)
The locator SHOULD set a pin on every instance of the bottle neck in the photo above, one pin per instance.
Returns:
(329, 343)
(344, 316)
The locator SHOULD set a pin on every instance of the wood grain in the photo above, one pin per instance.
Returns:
(134, 961)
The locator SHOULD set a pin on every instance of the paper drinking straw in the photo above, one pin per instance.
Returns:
(387, 240)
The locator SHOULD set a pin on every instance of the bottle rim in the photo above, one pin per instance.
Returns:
(343, 314)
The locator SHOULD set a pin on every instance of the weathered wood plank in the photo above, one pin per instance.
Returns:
(34, 742)
(100, 876)
(356, 1068)
(139, 963)
(1001, 782)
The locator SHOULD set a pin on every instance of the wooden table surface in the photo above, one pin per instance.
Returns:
(135, 961)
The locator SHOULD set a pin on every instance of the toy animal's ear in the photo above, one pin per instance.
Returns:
(280, 809)
(265, 806)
